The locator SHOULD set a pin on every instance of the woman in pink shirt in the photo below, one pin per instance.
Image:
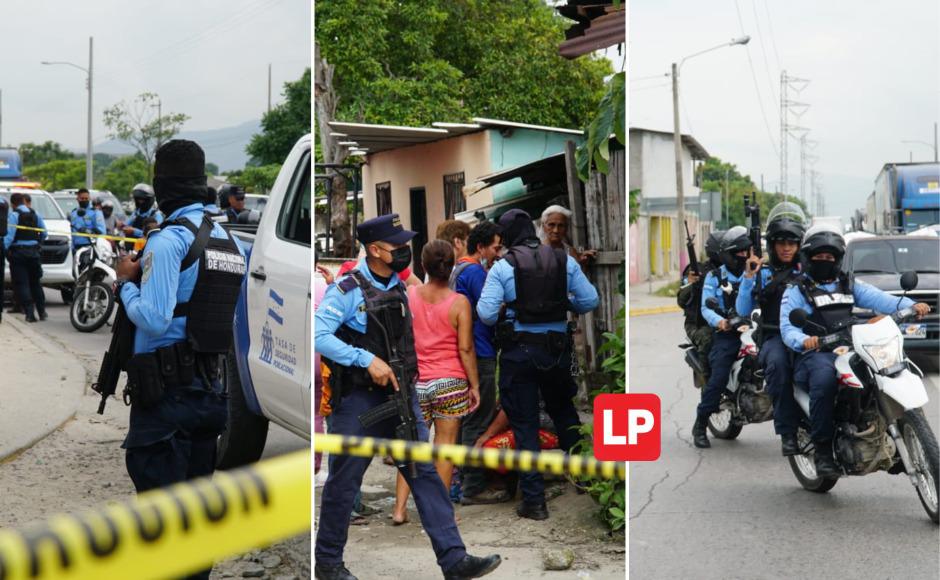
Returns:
(448, 385)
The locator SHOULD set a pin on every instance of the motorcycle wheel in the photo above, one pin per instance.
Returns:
(101, 304)
(804, 468)
(722, 424)
(67, 293)
(922, 446)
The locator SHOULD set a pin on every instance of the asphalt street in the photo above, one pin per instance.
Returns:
(737, 511)
(93, 345)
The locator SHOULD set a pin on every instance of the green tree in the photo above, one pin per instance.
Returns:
(123, 174)
(284, 124)
(40, 153)
(256, 179)
(58, 174)
(212, 169)
(717, 175)
(138, 124)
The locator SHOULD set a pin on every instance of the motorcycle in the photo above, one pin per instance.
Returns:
(93, 299)
(880, 422)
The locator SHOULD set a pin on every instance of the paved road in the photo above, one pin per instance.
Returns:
(737, 511)
(58, 327)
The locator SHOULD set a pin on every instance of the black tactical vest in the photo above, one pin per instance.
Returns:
(830, 309)
(210, 312)
(26, 219)
(729, 299)
(387, 316)
(4, 215)
(541, 277)
(770, 297)
(693, 310)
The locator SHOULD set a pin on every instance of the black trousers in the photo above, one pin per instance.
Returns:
(3, 276)
(476, 423)
(26, 271)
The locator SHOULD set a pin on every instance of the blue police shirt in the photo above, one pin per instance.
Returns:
(866, 296)
(211, 208)
(163, 286)
(337, 309)
(712, 289)
(500, 287)
(92, 221)
(470, 284)
(744, 305)
(152, 212)
(12, 222)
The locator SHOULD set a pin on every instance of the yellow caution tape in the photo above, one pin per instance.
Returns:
(107, 237)
(543, 462)
(167, 532)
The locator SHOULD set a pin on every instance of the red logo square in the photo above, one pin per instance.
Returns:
(626, 427)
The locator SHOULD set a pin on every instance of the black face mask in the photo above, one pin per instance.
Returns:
(823, 270)
(401, 257)
(737, 264)
(83, 204)
(107, 211)
(143, 204)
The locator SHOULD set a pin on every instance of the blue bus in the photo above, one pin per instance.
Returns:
(11, 166)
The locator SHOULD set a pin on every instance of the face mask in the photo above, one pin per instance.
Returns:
(823, 270)
(737, 265)
(107, 211)
(401, 257)
(83, 204)
(142, 204)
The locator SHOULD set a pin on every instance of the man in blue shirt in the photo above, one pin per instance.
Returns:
(144, 208)
(361, 324)
(484, 245)
(25, 260)
(536, 354)
(4, 217)
(828, 296)
(85, 220)
(183, 306)
(721, 284)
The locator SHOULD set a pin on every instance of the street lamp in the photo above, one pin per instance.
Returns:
(89, 154)
(677, 141)
(932, 146)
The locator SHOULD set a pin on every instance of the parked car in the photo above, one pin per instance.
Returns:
(880, 261)
(267, 372)
(256, 202)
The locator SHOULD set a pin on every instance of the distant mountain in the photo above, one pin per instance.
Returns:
(224, 147)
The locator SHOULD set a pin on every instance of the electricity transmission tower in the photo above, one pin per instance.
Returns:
(789, 107)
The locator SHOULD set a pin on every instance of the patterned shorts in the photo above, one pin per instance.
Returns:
(443, 398)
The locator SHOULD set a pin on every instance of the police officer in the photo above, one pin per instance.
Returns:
(85, 220)
(785, 230)
(828, 296)
(144, 208)
(232, 198)
(352, 321)
(4, 217)
(537, 357)
(689, 299)
(25, 260)
(183, 308)
(721, 284)
(110, 220)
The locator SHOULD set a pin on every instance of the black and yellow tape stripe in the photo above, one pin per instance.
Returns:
(84, 235)
(543, 462)
(167, 532)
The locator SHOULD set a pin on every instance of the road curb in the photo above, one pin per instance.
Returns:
(59, 399)
(654, 310)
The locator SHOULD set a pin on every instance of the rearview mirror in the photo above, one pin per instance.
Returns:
(798, 317)
(909, 280)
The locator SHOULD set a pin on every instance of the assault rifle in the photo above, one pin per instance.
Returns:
(752, 211)
(115, 358)
(690, 248)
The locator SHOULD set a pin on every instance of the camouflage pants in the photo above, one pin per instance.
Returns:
(701, 337)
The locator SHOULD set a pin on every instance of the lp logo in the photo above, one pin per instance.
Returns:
(626, 427)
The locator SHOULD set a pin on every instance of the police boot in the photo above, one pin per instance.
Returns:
(532, 511)
(332, 572)
(789, 445)
(700, 434)
(472, 567)
(825, 464)
(30, 314)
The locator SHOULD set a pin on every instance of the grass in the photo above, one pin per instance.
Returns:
(669, 290)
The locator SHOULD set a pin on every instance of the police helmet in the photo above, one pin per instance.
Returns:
(819, 239)
(142, 191)
(784, 222)
(107, 203)
(713, 246)
(732, 242)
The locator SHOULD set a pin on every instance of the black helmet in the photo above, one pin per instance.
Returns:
(784, 222)
(142, 191)
(732, 242)
(713, 247)
(819, 239)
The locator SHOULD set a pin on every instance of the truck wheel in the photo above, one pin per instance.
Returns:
(245, 433)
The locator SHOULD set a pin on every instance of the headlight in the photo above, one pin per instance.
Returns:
(885, 355)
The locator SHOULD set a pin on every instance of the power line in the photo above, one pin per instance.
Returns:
(648, 78)
(760, 100)
(763, 50)
(641, 89)
(770, 27)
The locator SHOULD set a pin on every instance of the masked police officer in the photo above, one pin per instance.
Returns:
(144, 208)
(828, 296)
(4, 217)
(183, 308)
(689, 298)
(538, 284)
(25, 260)
(85, 220)
(354, 318)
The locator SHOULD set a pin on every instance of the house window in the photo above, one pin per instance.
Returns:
(383, 198)
(454, 201)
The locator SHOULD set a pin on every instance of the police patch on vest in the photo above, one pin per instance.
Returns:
(824, 300)
(226, 262)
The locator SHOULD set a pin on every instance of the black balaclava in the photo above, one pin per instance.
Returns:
(517, 228)
(107, 211)
(211, 196)
(179, 175)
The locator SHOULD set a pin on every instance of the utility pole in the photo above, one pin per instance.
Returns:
(677, 144)
(159, 107)
(89, 152)
(269, 87)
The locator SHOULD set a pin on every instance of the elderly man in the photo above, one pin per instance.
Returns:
(554, 232)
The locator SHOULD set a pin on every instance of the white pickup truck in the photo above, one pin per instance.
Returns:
(267, 373)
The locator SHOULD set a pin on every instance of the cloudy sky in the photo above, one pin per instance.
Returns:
(205, 59)
(874, 69)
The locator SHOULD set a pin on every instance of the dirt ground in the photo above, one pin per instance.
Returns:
(81, 465)
(378, 550)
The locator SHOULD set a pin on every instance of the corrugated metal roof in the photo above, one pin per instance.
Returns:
(598, 25)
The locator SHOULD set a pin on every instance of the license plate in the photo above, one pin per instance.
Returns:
(915, 331)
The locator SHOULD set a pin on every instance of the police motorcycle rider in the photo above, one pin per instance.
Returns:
(538, 285)
(358, 316)
(785, 230)
(723, 285)
(828, 295)
(144, 208)
(84, 219)
(689, 298)
(110, 220)
(181, 297)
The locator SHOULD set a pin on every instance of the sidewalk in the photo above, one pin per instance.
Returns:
(643, 301)
(41, 387)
